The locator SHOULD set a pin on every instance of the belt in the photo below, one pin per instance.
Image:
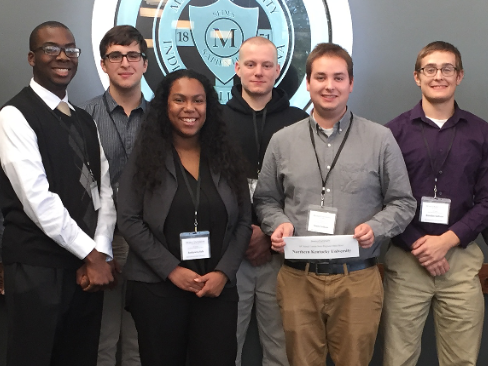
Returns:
(327, 268)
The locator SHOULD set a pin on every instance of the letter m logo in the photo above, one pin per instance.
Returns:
(224, 37)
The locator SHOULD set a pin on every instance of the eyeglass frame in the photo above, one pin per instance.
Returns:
(43, 48)
(422, 69)
(142, 55)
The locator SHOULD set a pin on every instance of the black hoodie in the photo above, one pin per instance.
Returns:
(240, 118)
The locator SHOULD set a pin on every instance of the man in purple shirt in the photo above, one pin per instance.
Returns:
(435, 262)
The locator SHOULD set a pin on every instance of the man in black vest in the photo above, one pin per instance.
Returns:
(58, 211)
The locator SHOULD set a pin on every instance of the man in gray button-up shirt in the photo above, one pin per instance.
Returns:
(333, 306)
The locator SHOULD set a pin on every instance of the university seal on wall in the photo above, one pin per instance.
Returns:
(205, 35)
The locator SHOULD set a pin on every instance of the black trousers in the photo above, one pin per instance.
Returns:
(186, 330)
(51, 320)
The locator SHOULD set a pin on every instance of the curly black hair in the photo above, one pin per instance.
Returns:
(155, 138)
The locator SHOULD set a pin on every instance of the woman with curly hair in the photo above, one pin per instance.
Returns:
(184, 209)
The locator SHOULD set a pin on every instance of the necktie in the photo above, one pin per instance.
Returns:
(64, 108)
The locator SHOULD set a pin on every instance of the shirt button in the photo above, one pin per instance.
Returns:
(328, 167)
(329, 145)
(340, 129)
(440, 193)
(328, 190)
(440, 171)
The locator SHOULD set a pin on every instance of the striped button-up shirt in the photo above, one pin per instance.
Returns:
(118, 131)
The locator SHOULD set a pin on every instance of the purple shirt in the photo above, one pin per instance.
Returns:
(463, 178)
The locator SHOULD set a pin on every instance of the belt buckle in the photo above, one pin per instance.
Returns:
(321, 273)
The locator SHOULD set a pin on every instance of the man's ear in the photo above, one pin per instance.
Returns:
(31, 58)
(102, 64)
(416, 78)
(145, 65)
(459, 77)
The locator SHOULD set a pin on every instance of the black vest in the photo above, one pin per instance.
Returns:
(65, 144)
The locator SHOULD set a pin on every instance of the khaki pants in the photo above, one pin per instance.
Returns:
(456, 300)
(339, 314)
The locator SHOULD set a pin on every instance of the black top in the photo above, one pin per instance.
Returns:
(212, 217)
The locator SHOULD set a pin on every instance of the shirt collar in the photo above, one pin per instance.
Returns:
(419, 114)
(48, 97)
(342, 125)
(112, 104)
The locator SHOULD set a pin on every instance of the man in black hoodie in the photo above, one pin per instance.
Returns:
(256, 111)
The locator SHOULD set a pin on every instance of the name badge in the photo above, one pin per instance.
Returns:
(435, 210)
(95, 195)
(195, 245)
(252, 183)
(322, 219)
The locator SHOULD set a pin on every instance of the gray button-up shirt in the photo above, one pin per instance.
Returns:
(118, 131)
(369, 183)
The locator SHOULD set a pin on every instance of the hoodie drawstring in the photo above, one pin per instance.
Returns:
(257, 134)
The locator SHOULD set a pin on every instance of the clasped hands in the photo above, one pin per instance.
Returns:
(430, 250)
(210, 284)
(96, 273)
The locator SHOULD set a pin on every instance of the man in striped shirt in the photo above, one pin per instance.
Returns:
(118, 113)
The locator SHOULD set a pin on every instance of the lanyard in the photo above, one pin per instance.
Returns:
(115, 126)
(432, 161)
(83, 148)
(324, 181)
(195, 199)
(256, 136)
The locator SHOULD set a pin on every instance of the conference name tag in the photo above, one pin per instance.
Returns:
(252, 183)
(95, 196)
(435, 210)
(321, 247)
(195, 245)
(322, 219)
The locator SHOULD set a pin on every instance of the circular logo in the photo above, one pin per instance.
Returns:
(213, 35)
(205, 35)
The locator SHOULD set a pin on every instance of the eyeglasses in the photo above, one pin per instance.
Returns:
(447, 70)
(50, 50)
(131, 56)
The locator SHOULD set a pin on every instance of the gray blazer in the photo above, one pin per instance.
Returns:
(141, 220)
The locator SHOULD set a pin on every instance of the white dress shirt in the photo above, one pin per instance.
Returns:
(22, 163)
